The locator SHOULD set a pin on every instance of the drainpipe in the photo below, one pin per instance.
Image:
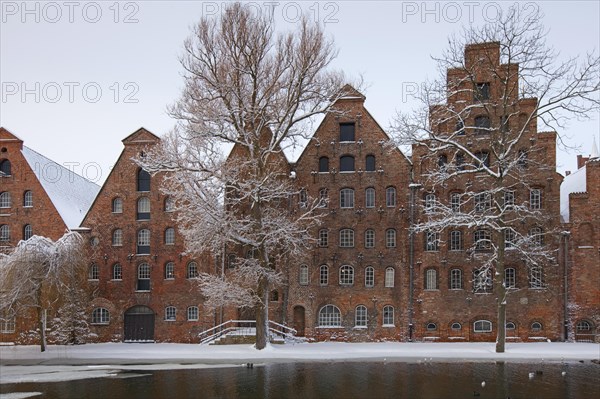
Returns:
(411, 258)
(566, 235)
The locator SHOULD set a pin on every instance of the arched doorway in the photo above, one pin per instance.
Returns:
(139, 324)
(299, 322)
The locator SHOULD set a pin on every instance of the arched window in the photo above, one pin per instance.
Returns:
(431, 327)
(456, 279)
(536, 326)
(369, 277)
(117, 238)
(360, 316)
(370, 197)
(323, 198)
(170, 236)
(5, 201)
(511, 326)
(93, 272)
(583, 327)
(510, 236)
(459, 129)
(347, 163)
(431, 279)
(390, 238)
(388, 316)
(455, 326)
(482, 280)
(4, 233)
(536, 236)
(483, 240)
(455, 240)
(170, 313)
(192, 313)
(192, 270)
(510, 277)
(482, 124)
(536, 280)
(143, 208)
(169, 271)
(323, 238)
(390, 197)
(370, 163)
(5, 168)
(302, 198)
(442, 161)
(346, 198)
(346, 275)
(429, 202)
(143, 281)
(389, 277)
(323, 165)
(143, 242)
(28, 199)
(303, 275)
(324, 275)
(169, 204)
(455, 202)
(330, 316)
(143, 180)
(100, 316)
(27, 232)
(370, 238)
(432, 241)
(346, 238)
(535, 198)
(117, 272)
(117, 205)
(482, 326)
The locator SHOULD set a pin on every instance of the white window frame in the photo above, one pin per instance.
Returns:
(117, 272)
(369, 277)
(456, 240)
(323, 275)
(347, 198)
(330, 316)
(323, 241)
(191, 270)
(5, 200)
(535, 198)
(192, 313)
(390, 197)
(360, 317)
(370, 197)
(388, 316)
(369, 238)
(170, 236)
(28, 199)
(170, 313)
(482, 326)
(510, 277)
(456, 282)
(117, 238)
(170, 271)
(117, 205)
(431, 280)
(390, 275)
(346, 275)
(303, 275)
(100, 316)
(390, 238)
(346, 238)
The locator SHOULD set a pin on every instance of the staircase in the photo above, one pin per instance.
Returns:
(234, 332)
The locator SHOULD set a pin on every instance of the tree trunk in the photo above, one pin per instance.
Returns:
(501, 289)
(262, 314)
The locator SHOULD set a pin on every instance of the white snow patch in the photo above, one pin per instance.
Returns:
(574, 183)
(71, 194)
(19, 395)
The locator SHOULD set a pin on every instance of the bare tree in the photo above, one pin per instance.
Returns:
(250, 92)
(37, 272)
(477, 129)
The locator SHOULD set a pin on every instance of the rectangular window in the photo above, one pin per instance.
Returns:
(535, 277)
(482, 281)
(509, 238)
(510, 278)
(483, 202)
(456, 279)
(347, 132)
(370, 238)
(370, 198)
(346, 198)
(346, 238)
(535, 198)
(324, 275)
(455, 202)
(431, 279)
(431, 241)
(7, 324)
(369, 277)
(303, 277)
(482, 91)
(509, 199)
(323, 238)
(455, 240)
(389, 277)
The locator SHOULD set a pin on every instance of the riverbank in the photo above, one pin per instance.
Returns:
(27, 363)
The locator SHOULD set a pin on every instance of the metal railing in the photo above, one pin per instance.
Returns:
(246, 328)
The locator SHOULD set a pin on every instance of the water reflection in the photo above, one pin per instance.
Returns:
(340, 380)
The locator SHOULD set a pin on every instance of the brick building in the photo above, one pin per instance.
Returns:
(37, 197)
(367, 277)
(580, 210)
(454, 294)
(352, 285)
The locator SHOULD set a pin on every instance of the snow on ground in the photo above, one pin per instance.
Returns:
(59, 363)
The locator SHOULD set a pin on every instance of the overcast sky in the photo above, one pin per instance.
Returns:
(78, 77)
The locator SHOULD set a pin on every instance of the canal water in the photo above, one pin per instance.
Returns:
(340, 380)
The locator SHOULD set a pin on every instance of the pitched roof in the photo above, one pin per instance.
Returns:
(71, 194)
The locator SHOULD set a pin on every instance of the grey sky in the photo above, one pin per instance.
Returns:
(77, 77)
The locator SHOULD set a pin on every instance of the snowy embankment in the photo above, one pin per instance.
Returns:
(26, 363)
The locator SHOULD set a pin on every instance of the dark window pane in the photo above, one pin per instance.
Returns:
(143, 180)
(370, 163)
(347, 163)
(323, 164)
(347, 131)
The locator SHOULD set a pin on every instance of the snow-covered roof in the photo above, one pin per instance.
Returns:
(573, 183)
(71, 194)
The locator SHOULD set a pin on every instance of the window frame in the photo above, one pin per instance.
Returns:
(346, 237)
(170, 270)
(4, 233)
(482, 326)
(170, 236)
(431, 279)
(535, 198)
(369, 238)
(323, 275)
(347, 135)
(324, 164)
(323, 239)
(191, 270)
(170, 313)
(346, 276)
(370, 197)
(389, 277)
(143, 207)
(117, 238)
(117, 272)
(100, 316)
(456, 241)
(360, 316)
(346, 198)
(390, 197)
(143, 181)
(369, 277)
(93, 272)
(390, 238)
(388, 319)
(370, 163)
(27, 232)
(303, 275)
(456, 279)
(143, 242)
(117, 205)
(347, 164)
(5, 200)
(28, 199)
(329, 316)
(192, 311)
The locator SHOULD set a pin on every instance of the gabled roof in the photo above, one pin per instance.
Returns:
(70, 193)
(141, 136)
(6, 135)
(573, 183)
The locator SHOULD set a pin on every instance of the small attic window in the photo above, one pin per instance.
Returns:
(5, 167)
(347, 131)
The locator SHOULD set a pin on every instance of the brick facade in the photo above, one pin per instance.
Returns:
(366, 277)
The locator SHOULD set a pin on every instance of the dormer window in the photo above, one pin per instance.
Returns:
(347, 132)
